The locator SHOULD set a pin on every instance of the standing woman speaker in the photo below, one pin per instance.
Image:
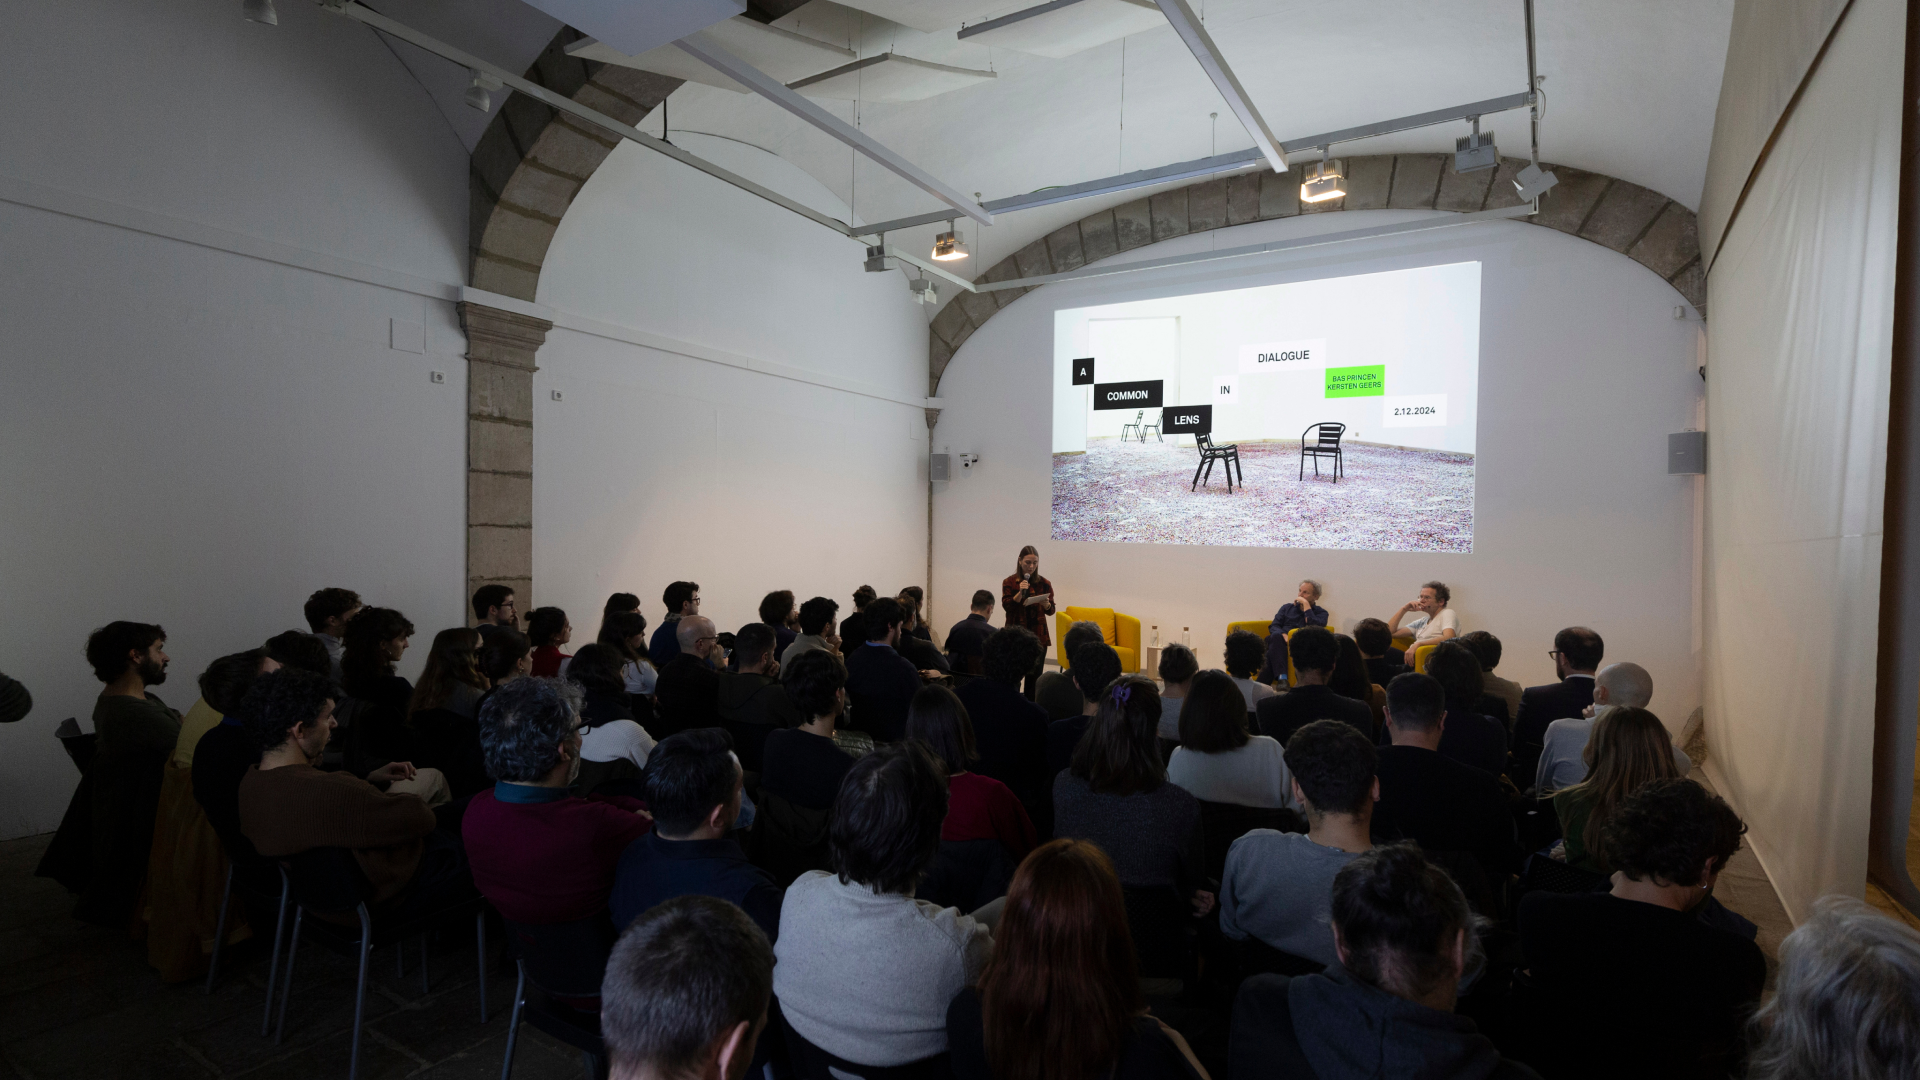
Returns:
(1027, 599)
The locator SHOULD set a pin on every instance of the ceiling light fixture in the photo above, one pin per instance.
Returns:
(947, 246)
(260, 11)
(479, 92)
(923, 290)
(1534, 181)
(877, 257)
(1472, 153)
(1325, 179)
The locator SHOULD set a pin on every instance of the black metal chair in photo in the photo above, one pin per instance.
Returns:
(1326, 444)
(1153, 427)
(1228, 455)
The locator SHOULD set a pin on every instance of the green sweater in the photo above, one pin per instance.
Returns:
(1574, 806)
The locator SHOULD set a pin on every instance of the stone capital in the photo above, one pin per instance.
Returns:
(502, 337)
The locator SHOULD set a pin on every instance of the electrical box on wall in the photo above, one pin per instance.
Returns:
(1687, 453)
(940, 467)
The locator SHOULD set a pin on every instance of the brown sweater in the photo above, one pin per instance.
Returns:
(296, 808)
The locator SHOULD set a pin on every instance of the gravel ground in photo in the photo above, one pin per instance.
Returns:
(1386, 500)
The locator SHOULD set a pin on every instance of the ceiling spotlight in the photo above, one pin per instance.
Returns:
(948, 246)
(1472, 153)
(876, 258)
(479, 91)
(1533, 182)
(260, 11)
(923, 291)
(1325, 180)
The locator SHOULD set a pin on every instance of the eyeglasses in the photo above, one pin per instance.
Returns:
(1555, 653)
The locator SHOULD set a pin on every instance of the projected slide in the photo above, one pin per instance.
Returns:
(1337, 413)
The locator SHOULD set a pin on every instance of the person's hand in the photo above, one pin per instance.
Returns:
(931, 675)
(1301, 603)
(392, 771)
(1202, 903)
(1024, 585)
(773, 669)
(1587, 712)
(644, 816)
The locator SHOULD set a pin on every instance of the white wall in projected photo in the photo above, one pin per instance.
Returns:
(1394, 357)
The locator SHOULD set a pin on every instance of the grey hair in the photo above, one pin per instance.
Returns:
(522, 725)
(1627, 684)
(1847, 1003)
(689, 631)
(1317, 590)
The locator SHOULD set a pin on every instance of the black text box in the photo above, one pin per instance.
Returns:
(1127, 395)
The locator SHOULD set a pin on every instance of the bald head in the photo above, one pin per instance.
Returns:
(1623, 684)
(690, 629)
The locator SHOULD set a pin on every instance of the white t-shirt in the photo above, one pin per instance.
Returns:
(640, 677)
(1427, 630)
(1254, 775)
(1255, 692)
(616, 740)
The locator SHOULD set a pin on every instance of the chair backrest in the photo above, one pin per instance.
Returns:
(812, 1063)
(1223, 823)
(967, 874)
(1256, 627)
(1100, 616)
(1162, 925)
(791, 839)
(568, 959)
(1326, 435)
(327, 879)
(1139, 416)
(78, 744)
(1203, 440)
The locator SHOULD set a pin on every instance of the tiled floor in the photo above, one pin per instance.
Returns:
(78, 1001)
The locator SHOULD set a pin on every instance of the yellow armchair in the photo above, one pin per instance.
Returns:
(1118, 630)
(1420, 656)
(1259, 628)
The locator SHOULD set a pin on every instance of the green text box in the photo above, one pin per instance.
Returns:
(1369, 381)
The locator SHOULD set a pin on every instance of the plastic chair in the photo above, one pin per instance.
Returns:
(812, 1063)
(1326, 444)
(560, 967)
(1228, 455)
(327, 881)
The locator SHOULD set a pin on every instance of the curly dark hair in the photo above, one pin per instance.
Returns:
(1484, 647)
(1397, 915)
(280, 701)
(225, 683)
(1246, 652)
(1334, 765)
(1373, 636)
(297, 648)
(885, 828)
(1668, 830)
(1458, 672)
(1177, 663)
(107, 647)
(1009, 653)
(1094, 668)
(817, 615)
(812, 680)
(1314, 648)
(776, 606)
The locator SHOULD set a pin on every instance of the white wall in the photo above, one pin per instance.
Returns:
(776, 440)
(1583, 373)
(189, 436)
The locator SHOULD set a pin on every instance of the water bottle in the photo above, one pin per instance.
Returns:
(1156, 636)
(1186, 637)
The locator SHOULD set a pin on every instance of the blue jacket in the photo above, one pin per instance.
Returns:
(654, 869)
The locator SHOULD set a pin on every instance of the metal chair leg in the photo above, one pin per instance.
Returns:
(480, 947)
(273, 969)
(513, 1021)
(360, 991)
(425, 986)
(286, 990)
(220, 930)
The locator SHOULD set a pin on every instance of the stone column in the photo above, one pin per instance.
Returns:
(500, 352)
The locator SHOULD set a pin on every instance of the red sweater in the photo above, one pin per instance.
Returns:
(981, 808)
(548, 862)
(546, 661)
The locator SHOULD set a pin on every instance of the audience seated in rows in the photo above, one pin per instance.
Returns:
(1246, 655)
(547, 630)
(1630, 749)
(779, 614)
(1303, 610)
(1116, 794)
(289, 806)
(539, 853)
(1278, 885)
(1846, 1004)
(853, 628)
(1576, 656)
(494, 605)
(1564, 760)
(1010, 732)
(328, 611)
(880, 681)
(1671, 993)
(505, 654)
(1405, 939)
(1217, 760)
(1315, 650)
(1055, 691)
(625, 632)
(376, 726)
(916, 639)
(614, 746)
(687, 993)
(1095, 667)
(979, 807)
(1486, 649)
(866, 971)
(682, 599)
(1375, 643)
(1178, 666)
(816, 630)
(135, 733)
(1060, 997)
(751, 703)
(966, 641)
(693, 793)
(227, 750)
(443, 713)
(803, 765)
(1456, 813)
(687, 694)
(1472, 737)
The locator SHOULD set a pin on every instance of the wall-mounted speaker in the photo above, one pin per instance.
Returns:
(940, 466)
(1687, 453)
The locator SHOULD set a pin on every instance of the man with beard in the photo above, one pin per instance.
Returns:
(539, 853)
(288, 806)
(134, 736)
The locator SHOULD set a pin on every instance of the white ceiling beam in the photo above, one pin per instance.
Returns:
(702, 48)
(1194, 33)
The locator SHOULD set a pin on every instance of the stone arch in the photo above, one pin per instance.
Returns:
(1643, 225)
(533, 160)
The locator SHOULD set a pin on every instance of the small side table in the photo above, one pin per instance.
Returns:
(1150, 662)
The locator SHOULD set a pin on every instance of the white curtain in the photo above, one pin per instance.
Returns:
(1799, 355)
